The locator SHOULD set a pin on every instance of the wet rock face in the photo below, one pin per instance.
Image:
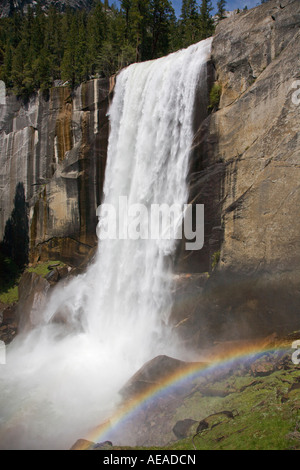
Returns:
(246, 172)
(8, 323)
(56, 148)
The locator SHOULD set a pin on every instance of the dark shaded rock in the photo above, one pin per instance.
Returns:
(52, 276)
(57, 274)
(295, 386)
(8, 323)
(153, 373)
(262, 369)
(202, 426)
(83, 444)
(182, 429)
(63, 272)
(33, 290)
(9, 315)
(53, 266)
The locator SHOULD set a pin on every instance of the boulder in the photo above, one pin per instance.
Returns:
(153, 373)
(83, 444)
(8, 323)
(182, 429)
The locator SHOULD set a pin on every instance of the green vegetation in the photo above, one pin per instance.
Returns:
(263, 397)
(9, 296)
(37, 48)
(264, 420)
(42, 269)
(215, 259)
(214, 96)
(195, 23)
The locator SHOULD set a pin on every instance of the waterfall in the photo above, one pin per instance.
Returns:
(63, 378)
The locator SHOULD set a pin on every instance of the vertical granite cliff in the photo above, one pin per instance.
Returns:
(246, 171)
(56, 148)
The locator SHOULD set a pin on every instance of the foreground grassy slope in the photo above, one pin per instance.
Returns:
(254, 406)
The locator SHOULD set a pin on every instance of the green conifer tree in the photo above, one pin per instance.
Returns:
(221, 10)
(190, 22)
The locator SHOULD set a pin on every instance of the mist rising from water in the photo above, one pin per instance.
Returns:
(61, 379)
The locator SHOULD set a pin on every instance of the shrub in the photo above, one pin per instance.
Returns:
(214, 96)
(215, 259)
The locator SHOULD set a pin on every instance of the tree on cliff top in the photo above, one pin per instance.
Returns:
(15, 243)
(190, 25)
(206, 22)
(221, 10)
(36, 49)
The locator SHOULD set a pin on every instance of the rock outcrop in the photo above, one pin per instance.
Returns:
(56, 148)
(246, 172)
(154, 373)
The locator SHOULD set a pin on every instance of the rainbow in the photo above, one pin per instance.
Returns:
(185, 375)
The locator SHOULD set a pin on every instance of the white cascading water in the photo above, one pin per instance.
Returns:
(62, 379)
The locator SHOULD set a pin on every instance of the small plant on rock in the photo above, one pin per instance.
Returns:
(214, 96)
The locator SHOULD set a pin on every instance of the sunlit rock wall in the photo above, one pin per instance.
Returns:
(56, 147)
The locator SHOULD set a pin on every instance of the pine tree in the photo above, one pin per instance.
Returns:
(126, 6)
(97, 29)
(190, 22)
(161, 15)
(139, 21)
(68, 64)
(53, 42)
(18, 69)
(6, 68)
(221, 10)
